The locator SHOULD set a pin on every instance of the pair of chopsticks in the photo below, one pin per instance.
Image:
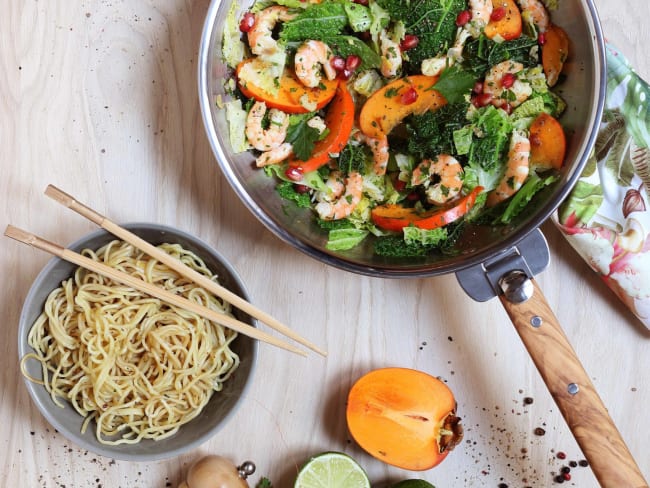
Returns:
(225, 320)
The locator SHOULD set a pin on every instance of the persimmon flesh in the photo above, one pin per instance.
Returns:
(403, 417)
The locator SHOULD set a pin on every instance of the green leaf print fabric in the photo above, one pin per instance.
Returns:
(606, 218)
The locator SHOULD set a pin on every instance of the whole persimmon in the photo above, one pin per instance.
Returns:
(403, 417)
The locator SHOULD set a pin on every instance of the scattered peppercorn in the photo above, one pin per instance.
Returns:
(583, 463)
(573, 464)
(559, 478)
(528, 401)
(539, 431)
(565, 469)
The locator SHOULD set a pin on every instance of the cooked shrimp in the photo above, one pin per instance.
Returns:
(260, 38)
(391, 55)
(310, 56)
(379, 148)
(445, 167)
(334, 188)
(346, 203)
(535, 11)
(481, 11)
(265, 139)
(517, 168)
(275, 155)
(518, 91)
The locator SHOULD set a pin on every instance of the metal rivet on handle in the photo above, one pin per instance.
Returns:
(536, 321)
(573, 388)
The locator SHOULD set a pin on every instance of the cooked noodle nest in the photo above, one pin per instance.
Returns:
(136, 366)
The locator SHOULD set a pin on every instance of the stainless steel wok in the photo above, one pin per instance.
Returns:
(490, 261)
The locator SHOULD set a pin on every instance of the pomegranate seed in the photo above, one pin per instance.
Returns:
(409, 96)
(498, 14)
(399, 185)
(294, 173)
(463, 18)
(561, 455)
(413, 196)
(345, 74)
(338, 63)
(301, 188)
(507, 108)
(482, 100)
(247, 22)
(566, 476)
(362, 2)
(478, 88)
(352, 62)
(541, 38)
(409, 42)
(508, 80)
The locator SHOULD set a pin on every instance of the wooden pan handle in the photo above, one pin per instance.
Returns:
(575, 395)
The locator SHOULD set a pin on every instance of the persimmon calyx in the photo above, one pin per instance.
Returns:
(451, 433)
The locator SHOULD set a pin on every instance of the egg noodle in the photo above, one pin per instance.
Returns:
(136, 366)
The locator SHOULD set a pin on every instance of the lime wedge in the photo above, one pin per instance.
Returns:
(332, 470)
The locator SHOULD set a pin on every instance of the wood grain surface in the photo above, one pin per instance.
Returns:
(99, 98)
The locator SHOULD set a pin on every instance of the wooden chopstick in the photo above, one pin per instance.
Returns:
(235, 300)
(181, 302)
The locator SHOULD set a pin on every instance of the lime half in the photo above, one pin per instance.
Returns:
(332, 470)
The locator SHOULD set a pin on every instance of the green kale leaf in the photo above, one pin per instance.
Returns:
(287, 191)
(352, 158)
(317, 21)
(432, 133)
(433, 21)
(483, 53)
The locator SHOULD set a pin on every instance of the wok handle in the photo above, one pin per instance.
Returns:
(584, 411)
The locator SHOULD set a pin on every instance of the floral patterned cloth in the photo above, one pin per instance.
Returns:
(606, 217)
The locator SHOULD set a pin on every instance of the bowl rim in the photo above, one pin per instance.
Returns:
(120, 451)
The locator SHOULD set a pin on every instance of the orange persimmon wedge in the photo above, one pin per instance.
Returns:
(403, 417)
(293, 96)
(386, 108)
(547, 142)
(510, 26)
(555, 51)
(394, 217)
(339, 121)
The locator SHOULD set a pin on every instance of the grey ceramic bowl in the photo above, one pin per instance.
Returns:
(220, 407)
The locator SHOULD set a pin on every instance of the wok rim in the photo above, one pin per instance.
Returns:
(483, 254)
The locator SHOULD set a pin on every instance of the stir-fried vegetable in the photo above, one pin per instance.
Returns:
(400, 121)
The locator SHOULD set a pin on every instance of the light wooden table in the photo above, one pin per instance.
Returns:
(99, 98)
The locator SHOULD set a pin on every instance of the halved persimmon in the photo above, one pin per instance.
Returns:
(403, 417)
(292, 96)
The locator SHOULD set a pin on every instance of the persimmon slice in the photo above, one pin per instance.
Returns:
(292, 95)
(388, 106)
